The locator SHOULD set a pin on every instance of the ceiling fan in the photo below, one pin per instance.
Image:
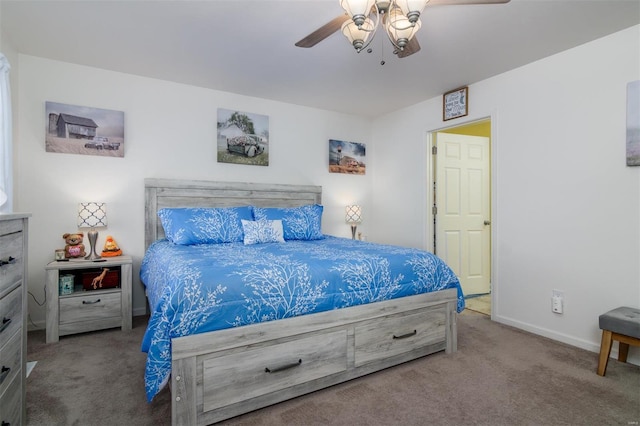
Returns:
(400, 20)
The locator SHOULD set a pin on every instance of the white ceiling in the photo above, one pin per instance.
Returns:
(247, 47)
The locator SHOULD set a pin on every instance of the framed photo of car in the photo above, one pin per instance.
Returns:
(455, 103)
(243, 138)
(72, 129)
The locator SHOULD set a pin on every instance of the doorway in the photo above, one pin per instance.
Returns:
(461, 182)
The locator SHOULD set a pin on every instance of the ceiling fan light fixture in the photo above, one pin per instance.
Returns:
(399, 28)
(358, 10)
(358, 35)
(412, 9)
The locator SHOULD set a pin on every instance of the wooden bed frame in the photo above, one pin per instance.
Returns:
(222, 374)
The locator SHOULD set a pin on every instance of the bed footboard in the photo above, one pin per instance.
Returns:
(222, 374)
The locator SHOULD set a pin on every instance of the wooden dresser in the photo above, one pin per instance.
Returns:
(13, 314)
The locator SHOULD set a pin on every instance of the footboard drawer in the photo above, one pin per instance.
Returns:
(237, 377)
(390, 336)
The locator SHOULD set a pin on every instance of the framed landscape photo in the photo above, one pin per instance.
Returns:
(633, 123)
(347, 157)
(72, 129)
(243, 138)
(455, 103)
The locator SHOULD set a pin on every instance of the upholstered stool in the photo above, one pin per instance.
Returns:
(621, 324)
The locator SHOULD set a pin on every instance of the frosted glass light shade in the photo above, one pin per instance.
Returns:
(357, 7)
(412, 9)
(358, 36)
(400, 29)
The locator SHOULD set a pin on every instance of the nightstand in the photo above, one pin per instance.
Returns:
(77, 307)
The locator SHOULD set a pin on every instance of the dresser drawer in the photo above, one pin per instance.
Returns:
(10, 361)
(92, 305)
(11, 403)
(390, 336)
(241, 376)
(11, 268)
(10, 315)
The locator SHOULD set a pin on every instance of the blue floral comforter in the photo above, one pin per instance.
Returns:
(198, 288)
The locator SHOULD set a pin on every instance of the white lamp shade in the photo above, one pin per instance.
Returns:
(357, 36)
(399, 28)
(412, 8)
(357, 7)
(353, 214)
(92, 214)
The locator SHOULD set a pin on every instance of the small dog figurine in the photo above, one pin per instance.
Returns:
(97, 281)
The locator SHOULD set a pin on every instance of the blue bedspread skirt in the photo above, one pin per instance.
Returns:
(198, 288)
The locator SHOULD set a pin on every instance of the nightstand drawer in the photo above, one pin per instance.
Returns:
(10, 361)
(10, 315)
(10, 260)
(92, 305)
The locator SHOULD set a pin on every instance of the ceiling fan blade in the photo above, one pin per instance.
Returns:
(452, 2)
(412, 47)
(323, 32)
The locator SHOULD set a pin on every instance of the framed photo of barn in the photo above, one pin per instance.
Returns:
(243, 138)
(74, 129)
(347, 157)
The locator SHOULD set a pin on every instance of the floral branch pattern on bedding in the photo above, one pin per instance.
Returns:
(198, 288)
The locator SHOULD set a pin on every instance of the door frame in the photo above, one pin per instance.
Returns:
(429, 196)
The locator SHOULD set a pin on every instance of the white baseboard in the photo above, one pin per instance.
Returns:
(563, 338)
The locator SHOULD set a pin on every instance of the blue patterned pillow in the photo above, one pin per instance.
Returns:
(187, 226)
(262, 231)
(298, 223)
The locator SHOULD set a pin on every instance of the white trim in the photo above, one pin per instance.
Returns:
(6, 151)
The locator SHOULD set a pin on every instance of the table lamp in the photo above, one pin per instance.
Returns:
(353, 217)
(92, 215)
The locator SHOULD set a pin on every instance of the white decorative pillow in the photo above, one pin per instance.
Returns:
(262, 231)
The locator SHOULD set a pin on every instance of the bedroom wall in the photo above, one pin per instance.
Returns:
(170, 132)
(566, 209)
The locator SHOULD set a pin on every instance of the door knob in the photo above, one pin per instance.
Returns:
(487, 222)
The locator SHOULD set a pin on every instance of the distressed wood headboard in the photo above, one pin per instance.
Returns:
(167, 193)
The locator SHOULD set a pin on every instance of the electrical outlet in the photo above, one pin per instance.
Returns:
(557, 302)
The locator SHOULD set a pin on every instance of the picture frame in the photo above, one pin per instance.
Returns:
(455, 103)
(633, 123)
(73, 129)
(347, 157)
(242, 137)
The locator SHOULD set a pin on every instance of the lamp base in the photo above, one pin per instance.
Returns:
(353, 232)
(93, 237)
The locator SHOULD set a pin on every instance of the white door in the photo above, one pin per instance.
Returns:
(463, 208)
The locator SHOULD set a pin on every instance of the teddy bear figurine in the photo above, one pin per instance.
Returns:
(74, 246)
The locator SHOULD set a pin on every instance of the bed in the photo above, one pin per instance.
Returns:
(287, 310)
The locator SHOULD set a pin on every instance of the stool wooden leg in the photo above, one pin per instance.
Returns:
(623, 351)
(605, 352)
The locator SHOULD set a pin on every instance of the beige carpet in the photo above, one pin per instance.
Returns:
(499, 376)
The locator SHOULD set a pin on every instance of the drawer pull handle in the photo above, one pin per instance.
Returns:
(86, 302)
(5, 324)
(4, 373)
(5, 423)
(282, 368)
(7, 261)
(404, 336)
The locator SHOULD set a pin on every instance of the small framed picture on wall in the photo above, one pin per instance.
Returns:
(455, 103)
